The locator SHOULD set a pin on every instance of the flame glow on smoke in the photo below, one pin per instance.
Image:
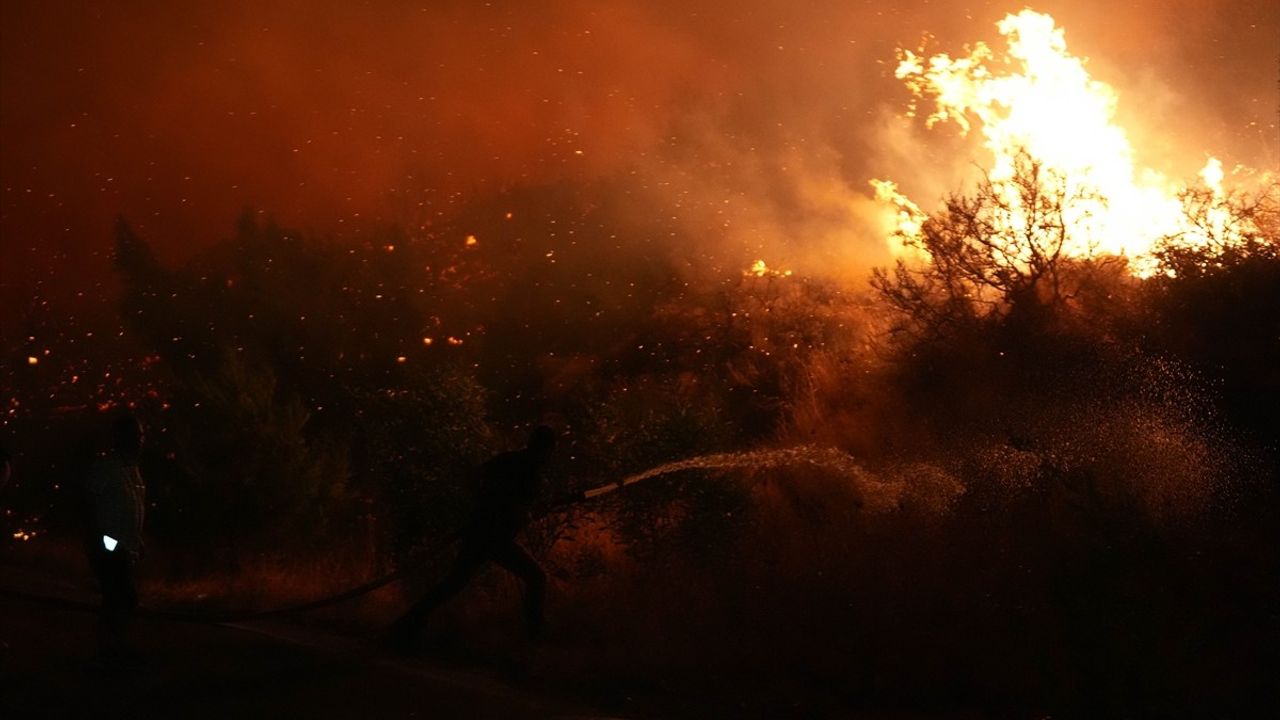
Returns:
(760, 269)
(1039, 99)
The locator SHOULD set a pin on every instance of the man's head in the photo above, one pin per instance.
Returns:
(127, 436)
(542, 441)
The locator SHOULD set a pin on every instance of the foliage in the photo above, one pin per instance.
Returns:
(1093, 419)
(249, 478)
(1224, 231)
(292, 415)
(1005, 339)
(1216, 304)
(990, 254)
(420, 444)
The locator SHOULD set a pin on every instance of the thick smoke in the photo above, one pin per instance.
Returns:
(752, 126)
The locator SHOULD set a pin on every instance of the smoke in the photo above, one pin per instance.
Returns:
(753, 126)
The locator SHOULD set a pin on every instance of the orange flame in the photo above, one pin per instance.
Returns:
(760, 269)
(1038, 98)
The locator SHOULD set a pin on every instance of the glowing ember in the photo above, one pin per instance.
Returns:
(471, 239)
(760, 269)
(1039, 99)
(33, 360)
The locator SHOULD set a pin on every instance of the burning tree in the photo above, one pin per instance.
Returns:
(1062, 196)
(1004, 248)
(1222, 230)
(1215, 303)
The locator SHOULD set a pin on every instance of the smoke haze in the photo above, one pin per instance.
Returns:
(750, 127)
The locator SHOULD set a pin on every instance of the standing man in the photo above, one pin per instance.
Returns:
(117, 498)
(509, 485)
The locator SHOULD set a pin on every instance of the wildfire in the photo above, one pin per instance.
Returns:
(760, 269)
(1038, 98)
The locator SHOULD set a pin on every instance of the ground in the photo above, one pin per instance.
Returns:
(255, 670)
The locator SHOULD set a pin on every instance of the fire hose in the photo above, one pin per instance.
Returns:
(349, 594)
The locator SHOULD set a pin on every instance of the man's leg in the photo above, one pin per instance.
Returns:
(469, 559)
(115, 578)
(128, 599)
(518, 561)
(99, 560)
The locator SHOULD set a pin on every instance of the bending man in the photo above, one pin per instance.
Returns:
(509, 485)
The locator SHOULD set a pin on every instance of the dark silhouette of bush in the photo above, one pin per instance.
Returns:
(1098, 558)
(293, 418)
(998, 254)
(1216, 304)
(1094, 418)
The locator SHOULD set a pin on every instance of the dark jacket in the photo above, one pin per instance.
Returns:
(509, 485)
(118, 499)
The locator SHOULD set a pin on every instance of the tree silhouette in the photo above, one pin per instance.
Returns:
(992, 253)
(1224, 230)
(1216, 302)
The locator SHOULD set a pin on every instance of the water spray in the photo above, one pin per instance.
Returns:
(881, 494)
(824, 457)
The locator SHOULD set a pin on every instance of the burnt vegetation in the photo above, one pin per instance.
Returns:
(1114, 439)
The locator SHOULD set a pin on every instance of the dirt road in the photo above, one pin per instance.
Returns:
(219, 671)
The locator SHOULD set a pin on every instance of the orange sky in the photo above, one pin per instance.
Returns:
(330, 114)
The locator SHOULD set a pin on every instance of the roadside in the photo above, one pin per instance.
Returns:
(248, 670)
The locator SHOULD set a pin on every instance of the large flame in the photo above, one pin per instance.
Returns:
(1039, 99)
